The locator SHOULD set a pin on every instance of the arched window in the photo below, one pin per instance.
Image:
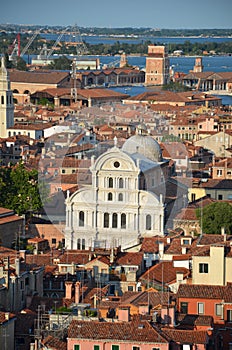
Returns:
(83, 244)
(81, 218)
(15, 91)
(110, 196)
(120, 197)
(120, 182)
(148, 222)
(106, 220)
(123, 220)
(79, 243)
(2, 100)
(115, 220)
(110, 182)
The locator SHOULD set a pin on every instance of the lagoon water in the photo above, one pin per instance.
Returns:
(179, 64)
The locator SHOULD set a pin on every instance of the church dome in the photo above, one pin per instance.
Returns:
(144, 145)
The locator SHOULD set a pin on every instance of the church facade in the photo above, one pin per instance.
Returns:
(118, 209)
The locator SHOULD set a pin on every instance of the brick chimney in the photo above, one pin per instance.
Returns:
(68, 289)
(168, 315)
(77, 292)
(124, 313)
(161, 248)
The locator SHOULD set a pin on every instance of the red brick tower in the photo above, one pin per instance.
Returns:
(157, 66)
(198, 68)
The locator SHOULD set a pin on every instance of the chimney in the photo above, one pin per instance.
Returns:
(22, 255)
(17, 266)
(179, 277)
(223, 233)
(68, 289)
(183, 250)
(168, 315)
(7, 316)
(112, 255)
(161, 248)
(77, 292)
(124, 313)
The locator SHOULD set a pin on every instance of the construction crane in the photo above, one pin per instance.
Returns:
(15, 48)
(50, 52)
(30, 42)
(81, 48)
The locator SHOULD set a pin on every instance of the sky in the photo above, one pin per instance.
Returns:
(120, 13)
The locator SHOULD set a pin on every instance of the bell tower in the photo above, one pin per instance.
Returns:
(198, 68)
(6, 101)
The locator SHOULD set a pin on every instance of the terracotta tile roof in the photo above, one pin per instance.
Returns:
(187, 214)
(5, 211)
(205, 292)
(116, 331)
(207, 239)
(169, 96)
(11, 218)
(34, 126)
(4, 315)
(187, 336)
(129, 259)
(99, 93)
(153, 298)
(37, 77)
(150, 244)
(54, 343)
(78, 257)
(164, 272)
(194, 320)
(227, 162)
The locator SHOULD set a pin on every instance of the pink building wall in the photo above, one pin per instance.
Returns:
(107, 345)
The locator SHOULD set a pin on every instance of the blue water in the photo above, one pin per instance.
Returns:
(161, 40)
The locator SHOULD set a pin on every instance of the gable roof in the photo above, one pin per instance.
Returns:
(164, 272)
(37, 77)
(205, 292)
(119, 331)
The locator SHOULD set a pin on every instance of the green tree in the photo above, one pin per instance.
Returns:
(61, 63)
(20, 190)
(215, 216)
(20, 64)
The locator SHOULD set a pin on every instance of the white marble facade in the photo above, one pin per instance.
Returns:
(116, 210)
